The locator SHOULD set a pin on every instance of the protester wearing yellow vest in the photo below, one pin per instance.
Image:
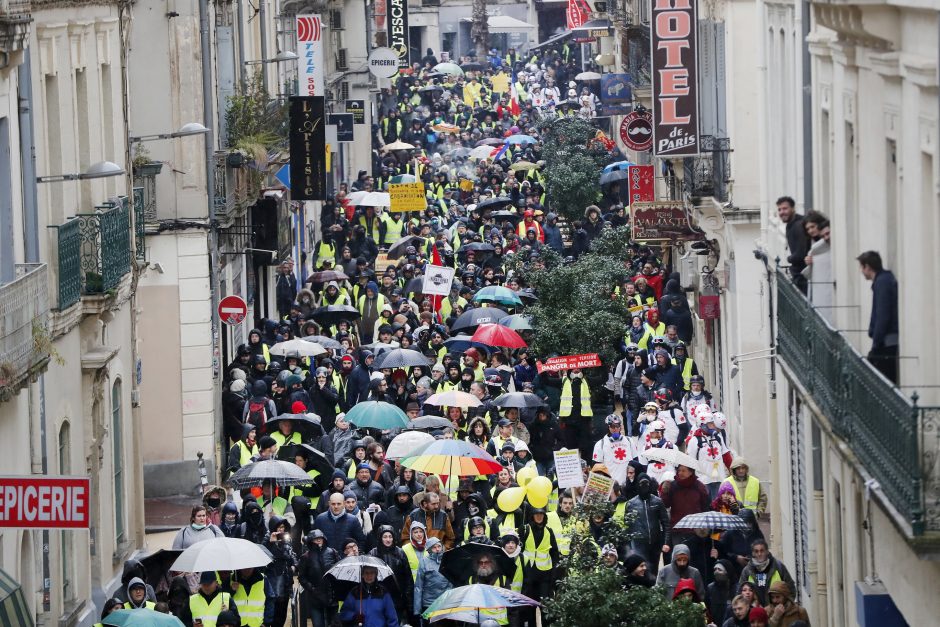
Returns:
(575, 412)
(249, 597)
(539, 556)
(208, 601)
(137, 595)
(748, 489)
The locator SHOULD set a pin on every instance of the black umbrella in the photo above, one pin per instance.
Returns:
(333, 314)
(157, 566)
(490, 141)
(400, 358)
(326, 342)
(308, 428)
(422, 423)
(502, 215)
(460, 343)
(316, 460)
(458, 563)
(472, 66)
(494, 203)
(414, 286)
(397, 249)
(477, 316)
(477, 247)
(326, 276)
(520, 400)
(525, 294)
(613, 177)
(430, 88)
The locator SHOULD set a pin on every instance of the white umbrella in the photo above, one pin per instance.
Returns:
(376, 199)
(454, 398)
(397, 145)
(588, 76)
(670, 456)
(297, 348)
(406, 443)
(354, 197)
(481, 152)
(221, 554)
(350, 568)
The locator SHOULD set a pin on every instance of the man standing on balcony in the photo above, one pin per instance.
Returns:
(797, 240)
(883, 327)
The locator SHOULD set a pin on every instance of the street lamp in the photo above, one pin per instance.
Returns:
(187, 130)
(100, 170)
(281, 57)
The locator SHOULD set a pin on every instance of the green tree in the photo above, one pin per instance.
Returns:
(593, 595)
(572, 167)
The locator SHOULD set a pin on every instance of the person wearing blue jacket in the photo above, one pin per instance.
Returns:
(430, 583)
(369, 604)
(337, 525)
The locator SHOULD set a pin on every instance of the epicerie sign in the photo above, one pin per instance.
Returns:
(675, 72)
(44, 502)
(383, 63)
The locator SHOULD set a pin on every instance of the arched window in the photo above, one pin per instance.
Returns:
(117, 462)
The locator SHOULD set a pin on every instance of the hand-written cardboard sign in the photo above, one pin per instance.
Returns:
(569, 362)
(568, 468)
(598, 488)
(407, 197)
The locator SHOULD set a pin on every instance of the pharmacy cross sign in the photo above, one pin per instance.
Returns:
(232, 310)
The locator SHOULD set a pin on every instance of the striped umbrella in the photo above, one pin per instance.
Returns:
(13, 609)
(455, 603)
(712, 520)
(452, 458)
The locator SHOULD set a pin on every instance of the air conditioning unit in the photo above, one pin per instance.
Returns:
(342, 59)
(336, 20)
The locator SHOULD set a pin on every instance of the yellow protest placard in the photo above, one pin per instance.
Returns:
(500, 83)
(466, 185)
(407, 197)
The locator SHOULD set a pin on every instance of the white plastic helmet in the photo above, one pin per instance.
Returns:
(657, 425)
(719, 419)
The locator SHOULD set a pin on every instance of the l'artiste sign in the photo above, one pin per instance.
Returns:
(674, 42)
(307, 148)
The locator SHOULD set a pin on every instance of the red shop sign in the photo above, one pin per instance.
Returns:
(38, 502)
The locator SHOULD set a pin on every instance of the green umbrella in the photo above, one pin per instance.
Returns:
(403, 178)
(517, 322)
(141, 618)
(448, 68)
(377, 415)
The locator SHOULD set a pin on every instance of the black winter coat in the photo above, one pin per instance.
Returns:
(652, 520)
(313, 566)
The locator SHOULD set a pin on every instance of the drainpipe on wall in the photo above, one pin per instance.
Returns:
(807, 109)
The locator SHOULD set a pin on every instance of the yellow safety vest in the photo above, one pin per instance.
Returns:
(208, 613)
(245, 455)
(250, 603)
(508, 524)
(687, 373)
(413, 560)
(620, 510)
(278, 505)
(325, 252)
(567, 399)
(296, 491)
(149, 605)
(751, 492)
(393, 228)
(293, 438)
(562, 536)
(379, 303)
(516, 584)
(540, 556)
(552, 501)
(446, 307)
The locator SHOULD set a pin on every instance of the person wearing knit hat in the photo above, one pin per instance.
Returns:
(758, 617)
(637, 572)
(227, 618)
(679, 568)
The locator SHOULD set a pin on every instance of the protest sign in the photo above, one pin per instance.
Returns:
(588, 360)
(568, 468)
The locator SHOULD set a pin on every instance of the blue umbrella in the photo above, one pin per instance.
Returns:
(620, 165)
(460, 343)
(521, 139)
(140, 618)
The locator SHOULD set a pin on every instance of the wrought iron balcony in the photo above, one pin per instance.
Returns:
(231, 189)
(896, 440)
(105, 247)
(708, 174)
(15, 16)
(24, 308)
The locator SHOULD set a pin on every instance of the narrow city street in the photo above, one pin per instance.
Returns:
(456, 312)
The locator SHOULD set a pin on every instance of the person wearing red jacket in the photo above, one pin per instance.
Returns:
(528, 222)
(654, 278)
(684, 495)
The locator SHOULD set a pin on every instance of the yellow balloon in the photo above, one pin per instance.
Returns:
(538, 491)
(510, 499)
(525, 475)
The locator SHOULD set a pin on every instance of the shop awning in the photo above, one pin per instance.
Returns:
(554, 39)
(505, 24)
(13, 609)
(594, 28)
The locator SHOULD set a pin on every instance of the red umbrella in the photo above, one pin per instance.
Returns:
(498, 335)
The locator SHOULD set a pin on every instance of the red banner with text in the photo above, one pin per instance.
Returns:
(569, 362)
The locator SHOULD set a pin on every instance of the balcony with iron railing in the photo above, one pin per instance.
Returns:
(24, 310)
(709, 173)
(92, 253)
(231, 189)
(15, 17)
(896, 440)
